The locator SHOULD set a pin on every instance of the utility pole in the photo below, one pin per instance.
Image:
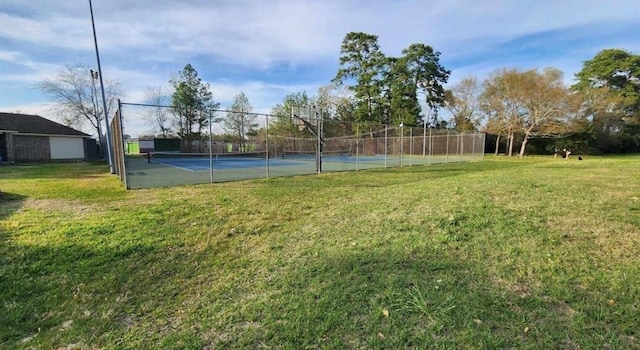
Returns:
(104, 100)
(95, 102)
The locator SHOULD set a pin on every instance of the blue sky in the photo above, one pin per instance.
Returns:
(268, 49)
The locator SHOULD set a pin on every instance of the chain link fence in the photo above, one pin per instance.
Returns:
(230, 146)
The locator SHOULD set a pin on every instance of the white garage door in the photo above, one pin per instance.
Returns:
(66, 147)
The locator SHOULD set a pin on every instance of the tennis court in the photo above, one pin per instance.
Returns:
(287, 146)
(154, 170)
(205, 162)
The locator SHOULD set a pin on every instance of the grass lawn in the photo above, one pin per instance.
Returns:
(539, 253)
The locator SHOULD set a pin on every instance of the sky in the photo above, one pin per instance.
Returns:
(269, 49)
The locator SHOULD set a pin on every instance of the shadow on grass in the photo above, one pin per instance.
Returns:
(9, 203)
(75, 170)
(339, 301)
(54, 295)
(396, 298)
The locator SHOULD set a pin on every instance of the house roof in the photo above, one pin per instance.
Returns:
(34, 124)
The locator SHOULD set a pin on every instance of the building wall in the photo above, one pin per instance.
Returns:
(31, 148)
(66, 147)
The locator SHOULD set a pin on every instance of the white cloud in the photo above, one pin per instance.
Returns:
(9, 56)
(143, 42)
(262, 33)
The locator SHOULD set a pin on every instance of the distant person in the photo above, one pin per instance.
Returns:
(567, 153)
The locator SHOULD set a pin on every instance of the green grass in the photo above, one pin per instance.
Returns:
(538, 253)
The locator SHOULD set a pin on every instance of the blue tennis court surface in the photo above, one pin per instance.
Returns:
(202, 164)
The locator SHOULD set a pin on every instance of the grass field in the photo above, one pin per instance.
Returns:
(538, 253)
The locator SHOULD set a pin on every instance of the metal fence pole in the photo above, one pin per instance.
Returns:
(210, 149)
(410, 147)
(266, 141)
(319, 129)
(473, 148)
(124, 159)
(484, 139)
(385, 144)
(430, 146)
(357, 147)
(401, 144)
(424, 138)
(461, 145)
(446, 156)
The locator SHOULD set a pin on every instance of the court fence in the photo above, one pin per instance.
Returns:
(231, 146)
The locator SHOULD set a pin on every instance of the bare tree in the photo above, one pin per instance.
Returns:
(463, 102)
(240, 121)
(75, 95)
(501, 104)
(334, 102)
(158, 115)
(529, 104)
(547, 104)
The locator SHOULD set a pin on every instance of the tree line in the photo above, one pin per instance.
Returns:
(522, 110)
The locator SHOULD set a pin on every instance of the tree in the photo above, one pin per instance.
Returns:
(618, 71)
(282, 124)
(385, 88)
(192, 103)
(610, 86)
(528, 103)
(423, 64)
(546, 104)
(463, 101)
(502, 106)
(158, 115)
(240, 120)
(401, 89)
(333, 102)
(76, 99)
(362, 62)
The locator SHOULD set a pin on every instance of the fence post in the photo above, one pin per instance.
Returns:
(401, 145)
(461, 145)
(430, 145)
(210, 149)
(357, 146)
(266, 141)
(446, 156)
(410, 147)
(386, 143)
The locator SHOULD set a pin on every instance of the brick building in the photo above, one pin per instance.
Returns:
(31, 138)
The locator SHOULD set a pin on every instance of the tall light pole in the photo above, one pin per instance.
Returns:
(95, 102)
(426, 88)
(104, 100)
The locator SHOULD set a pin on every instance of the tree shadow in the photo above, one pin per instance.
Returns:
(71, 170)
(339, 301)
(403, 298)
(46, 285)
(10, 203)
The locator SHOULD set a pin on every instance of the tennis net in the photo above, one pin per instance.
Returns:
(166, 157)
(311, 155)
